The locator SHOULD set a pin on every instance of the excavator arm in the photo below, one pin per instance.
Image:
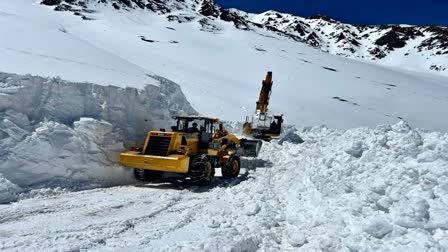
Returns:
(265, 94)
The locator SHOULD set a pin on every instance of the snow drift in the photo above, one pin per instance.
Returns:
(54, 132)
(364, 189)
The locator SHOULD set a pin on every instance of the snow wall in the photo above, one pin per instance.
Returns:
(58, 133)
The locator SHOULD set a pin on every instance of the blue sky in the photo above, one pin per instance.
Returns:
(433, 12)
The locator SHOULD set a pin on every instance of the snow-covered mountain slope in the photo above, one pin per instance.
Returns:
(218, 65)
(381, 189)
(421, 48)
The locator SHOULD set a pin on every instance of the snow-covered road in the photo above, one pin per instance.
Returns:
(364, 189)
(237, 216)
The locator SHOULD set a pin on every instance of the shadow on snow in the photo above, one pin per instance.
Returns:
(178, 182)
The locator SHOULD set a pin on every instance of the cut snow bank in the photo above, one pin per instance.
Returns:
(57, 155)
(58, 133)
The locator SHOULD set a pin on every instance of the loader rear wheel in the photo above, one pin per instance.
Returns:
(232, 168)
(202, 170)
(147, 175)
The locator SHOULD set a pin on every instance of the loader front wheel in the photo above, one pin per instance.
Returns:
(202, 170)
(232, 168)
(147, 175)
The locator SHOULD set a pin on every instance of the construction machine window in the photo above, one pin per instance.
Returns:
(263, 122)
(193, 125)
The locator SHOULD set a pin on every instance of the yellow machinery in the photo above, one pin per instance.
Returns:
(262, 125)
(195, 146)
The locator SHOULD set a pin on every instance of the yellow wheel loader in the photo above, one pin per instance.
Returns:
(195, 146)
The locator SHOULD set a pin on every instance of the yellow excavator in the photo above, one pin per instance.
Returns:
(195, 146)
(263, 125)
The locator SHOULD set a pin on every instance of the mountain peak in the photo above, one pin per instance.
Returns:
(322, 17)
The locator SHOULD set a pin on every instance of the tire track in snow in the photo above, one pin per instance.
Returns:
(196, 209)
(240, 214)
(128, 226)
(71, 217)
(152, 230)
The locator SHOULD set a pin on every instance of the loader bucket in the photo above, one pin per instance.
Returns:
(250, 148)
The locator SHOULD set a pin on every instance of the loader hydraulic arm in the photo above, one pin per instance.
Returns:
(265, 94)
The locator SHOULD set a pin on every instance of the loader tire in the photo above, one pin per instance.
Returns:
(147, 175)
(201, 170)
(232, 168)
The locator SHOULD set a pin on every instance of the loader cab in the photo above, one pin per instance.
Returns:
(191, 124)
(185, 125)
(204, 126)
